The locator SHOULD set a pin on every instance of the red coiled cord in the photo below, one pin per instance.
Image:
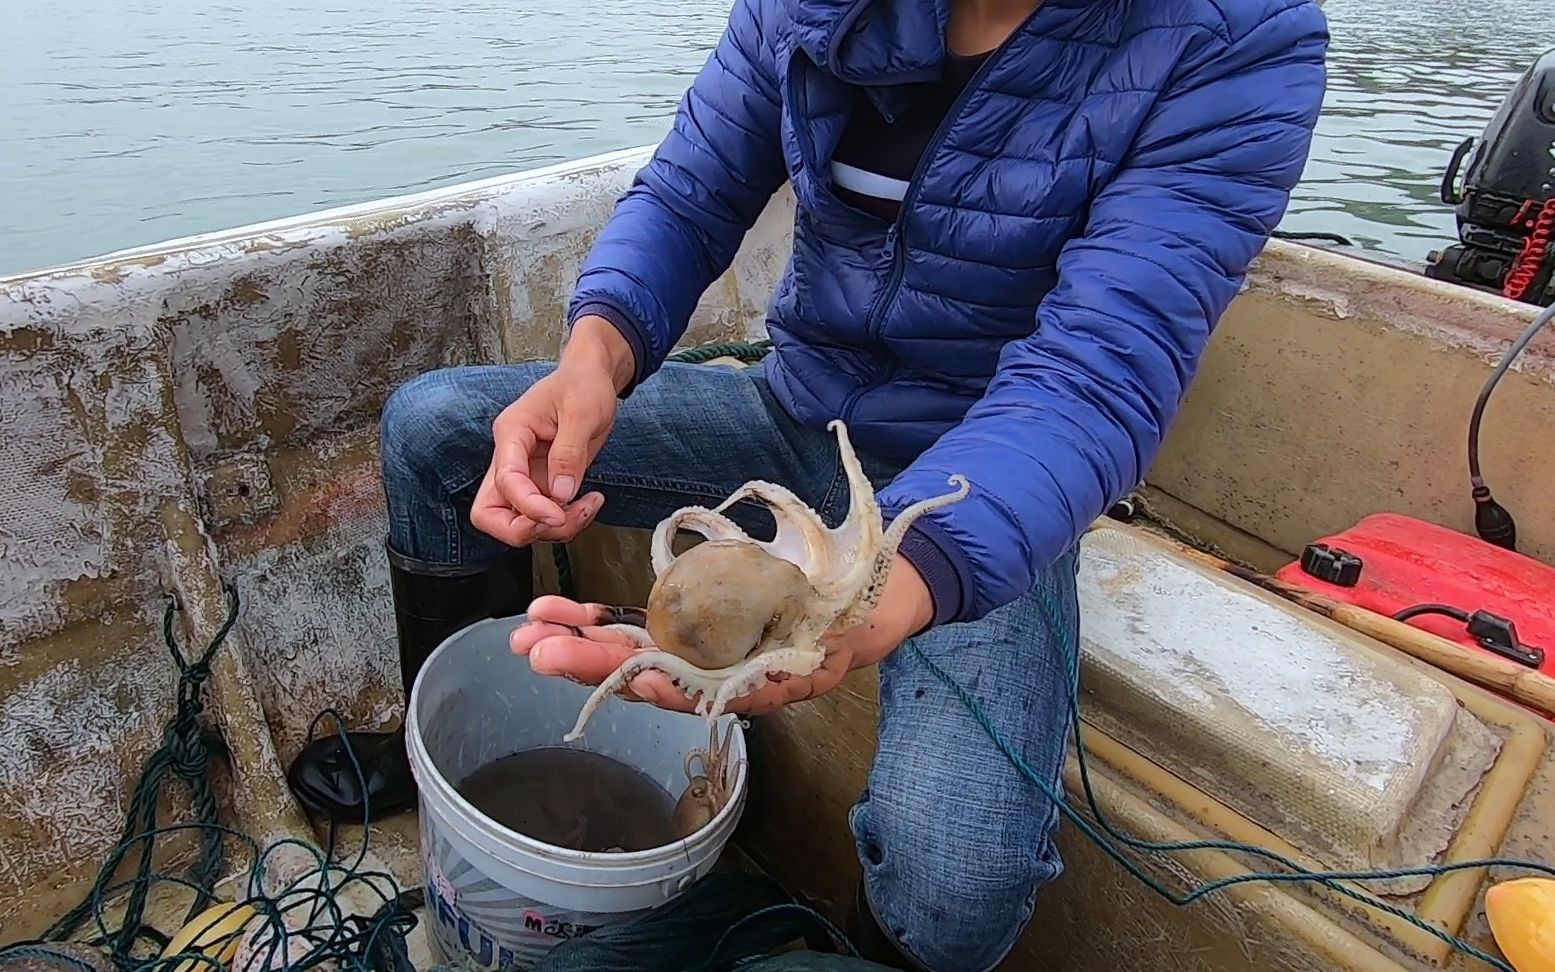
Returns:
(1526, 267)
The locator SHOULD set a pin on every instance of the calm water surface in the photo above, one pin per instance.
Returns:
(1408, 80)
(125, 122)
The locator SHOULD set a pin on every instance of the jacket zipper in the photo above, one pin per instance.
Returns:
(893, 235)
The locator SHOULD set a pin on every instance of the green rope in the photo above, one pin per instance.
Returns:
(331, 937)
(748, 352)
(24, 952)
(1103, 829)
(185, 754)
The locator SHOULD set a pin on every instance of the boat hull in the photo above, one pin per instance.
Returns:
(205, 411)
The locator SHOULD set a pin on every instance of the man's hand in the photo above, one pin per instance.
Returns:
(546, 440)
(565, 638)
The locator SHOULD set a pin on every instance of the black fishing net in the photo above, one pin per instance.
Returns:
(723, 922)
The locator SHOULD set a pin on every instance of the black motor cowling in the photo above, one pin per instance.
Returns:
(1506, 203)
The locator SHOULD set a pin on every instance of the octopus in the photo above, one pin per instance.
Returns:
(732, 612)
(708, 789)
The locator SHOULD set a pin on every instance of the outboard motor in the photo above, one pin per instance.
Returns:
(1506, 203)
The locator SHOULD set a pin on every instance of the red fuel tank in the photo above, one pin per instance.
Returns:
(1389, 563)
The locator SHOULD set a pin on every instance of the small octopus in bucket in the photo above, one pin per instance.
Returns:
(707, 791)
(734, 611)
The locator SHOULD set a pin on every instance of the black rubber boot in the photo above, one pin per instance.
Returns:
(431, 602)
(873, 944)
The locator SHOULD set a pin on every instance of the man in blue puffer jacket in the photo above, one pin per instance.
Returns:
(1017, 224)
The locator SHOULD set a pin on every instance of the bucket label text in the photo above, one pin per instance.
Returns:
(478, 923)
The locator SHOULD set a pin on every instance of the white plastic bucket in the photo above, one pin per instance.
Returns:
(494, 897)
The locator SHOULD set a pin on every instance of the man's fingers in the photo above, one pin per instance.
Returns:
(493, 517)
(527, 637)
(590, 655)
(578, 515)
(583, 658)
(491, 514)
(523, 495)
(514, 444)
(565, 612)
(567, 455)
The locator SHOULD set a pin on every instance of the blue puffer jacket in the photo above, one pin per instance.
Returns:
(1034, 316)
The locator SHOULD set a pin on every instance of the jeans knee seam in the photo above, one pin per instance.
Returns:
(451, 528)
(885, 930)
(468, 485)
(617, 481)
(1028, 909)
(629, 482)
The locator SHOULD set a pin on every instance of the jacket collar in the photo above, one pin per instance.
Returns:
(873, 42)
(890, 42)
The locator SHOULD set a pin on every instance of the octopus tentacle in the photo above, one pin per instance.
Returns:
(771, 494)
(753, 674)
(709, 524)
(686, 676)
(863, 513)
(885, 556)
(904, 520)
(854, 542)
(801, 538)
(715, 768)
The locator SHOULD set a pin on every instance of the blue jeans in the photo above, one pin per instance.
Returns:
(953, 842)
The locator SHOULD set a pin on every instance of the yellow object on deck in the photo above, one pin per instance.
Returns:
(214, 932)
(1522, 919)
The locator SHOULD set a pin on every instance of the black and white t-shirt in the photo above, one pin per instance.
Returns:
(875, 160)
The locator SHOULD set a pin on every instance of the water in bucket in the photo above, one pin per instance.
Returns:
(573, 798)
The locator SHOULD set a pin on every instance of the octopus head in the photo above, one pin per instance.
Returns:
(725, 601)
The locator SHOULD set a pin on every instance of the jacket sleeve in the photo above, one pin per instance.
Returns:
(681, 222)
(1074, 414)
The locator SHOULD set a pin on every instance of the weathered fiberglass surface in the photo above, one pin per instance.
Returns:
(224, 392)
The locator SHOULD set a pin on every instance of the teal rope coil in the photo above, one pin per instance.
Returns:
(748, 352)
(352, 943)
(185, 753)
(837, 935)
(23, 952)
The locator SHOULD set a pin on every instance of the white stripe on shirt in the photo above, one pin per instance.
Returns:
(867, 183)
